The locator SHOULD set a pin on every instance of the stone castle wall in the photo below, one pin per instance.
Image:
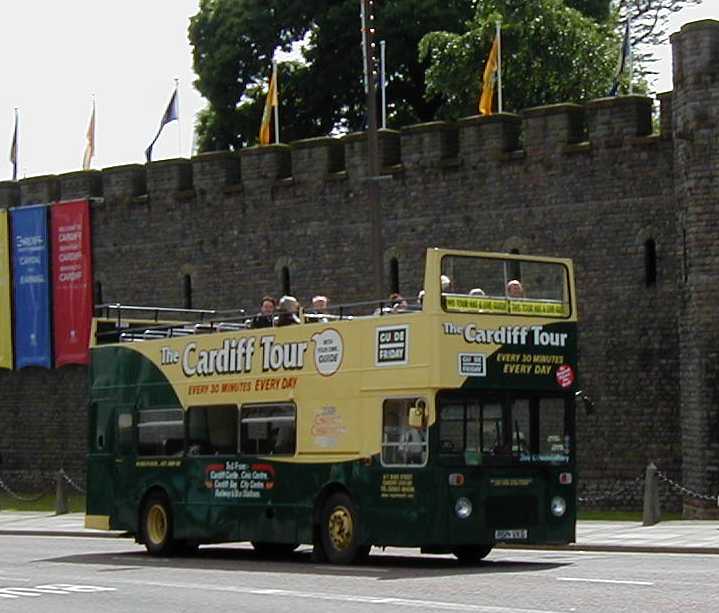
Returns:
(588, 182)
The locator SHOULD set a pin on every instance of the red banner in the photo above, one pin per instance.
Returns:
(71, 281)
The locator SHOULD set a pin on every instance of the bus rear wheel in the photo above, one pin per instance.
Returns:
(471, 554)
(157, 525)
(339, 530)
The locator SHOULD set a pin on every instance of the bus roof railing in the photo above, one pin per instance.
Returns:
(130, 326)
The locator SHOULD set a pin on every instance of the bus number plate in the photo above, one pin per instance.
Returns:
(510, 535)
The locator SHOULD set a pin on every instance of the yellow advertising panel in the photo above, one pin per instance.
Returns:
(5, 293)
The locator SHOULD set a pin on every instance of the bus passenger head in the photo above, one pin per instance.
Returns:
(319, 303)
(477, 291)
(268, 305)
(289, 304)
(515, 289)
(446, 283)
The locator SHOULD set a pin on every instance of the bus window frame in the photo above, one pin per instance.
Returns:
(251, 405)
(425, 430)
(509, 312)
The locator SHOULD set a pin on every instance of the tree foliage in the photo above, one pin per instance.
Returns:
(554, 50)
(234, 40)
(550, 53)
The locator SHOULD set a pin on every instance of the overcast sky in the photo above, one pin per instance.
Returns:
(57, 54)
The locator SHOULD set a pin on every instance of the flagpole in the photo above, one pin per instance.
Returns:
(382, 52)
(179, 123)
(499, 67)
(631, 55)
(277, 96)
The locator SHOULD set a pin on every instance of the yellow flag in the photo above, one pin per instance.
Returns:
(5, 317)
(490, 69)
(270, 102)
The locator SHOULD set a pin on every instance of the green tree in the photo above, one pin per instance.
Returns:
(234, 40)
(550, 53)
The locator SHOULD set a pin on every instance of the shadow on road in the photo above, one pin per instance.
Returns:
(381, 566)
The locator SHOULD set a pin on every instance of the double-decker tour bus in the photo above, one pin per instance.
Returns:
(446, 425)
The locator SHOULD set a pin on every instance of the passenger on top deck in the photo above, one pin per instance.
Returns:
(398, 302)
(287, 311)
(319, 308)
(515, 289)
(477, 291)
(446, 283)
(263, 319)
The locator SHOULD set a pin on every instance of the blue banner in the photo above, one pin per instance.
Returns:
(31, 284)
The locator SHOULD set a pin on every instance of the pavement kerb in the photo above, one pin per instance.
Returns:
(616, 548)
(68, 533)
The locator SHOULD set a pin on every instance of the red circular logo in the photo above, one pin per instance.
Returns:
(565, 375)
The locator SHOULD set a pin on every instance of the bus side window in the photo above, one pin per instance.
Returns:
(402, 445)
(212, 430)
(159, 431)
(268, 429)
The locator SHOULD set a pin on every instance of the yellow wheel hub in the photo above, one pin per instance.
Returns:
(157, 524)
(341, 528)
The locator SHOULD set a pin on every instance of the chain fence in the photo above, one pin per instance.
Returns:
(685, 491)
(624, 492)
(48, 486)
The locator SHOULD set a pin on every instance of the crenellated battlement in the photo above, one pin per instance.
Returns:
(549, 131)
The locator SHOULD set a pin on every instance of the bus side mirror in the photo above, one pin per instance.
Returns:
(586, 402)
(417, 416)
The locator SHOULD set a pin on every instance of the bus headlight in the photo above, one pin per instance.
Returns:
(463, 508)
(558, 506)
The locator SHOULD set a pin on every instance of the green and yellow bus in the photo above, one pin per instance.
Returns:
(446, 425)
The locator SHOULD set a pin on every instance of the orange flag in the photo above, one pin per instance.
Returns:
(490, 70)
(270, 103)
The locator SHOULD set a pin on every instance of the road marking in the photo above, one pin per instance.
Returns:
(612, 581)
(376, 600)
(43, 590)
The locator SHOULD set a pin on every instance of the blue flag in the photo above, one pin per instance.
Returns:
(31, 283)
(171, 114)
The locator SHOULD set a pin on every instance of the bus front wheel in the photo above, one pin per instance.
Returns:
(339, 530)
(157, 525)
(471, 554)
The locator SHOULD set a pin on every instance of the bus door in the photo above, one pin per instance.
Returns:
(405, 487)
(124, 464)
(101, 459)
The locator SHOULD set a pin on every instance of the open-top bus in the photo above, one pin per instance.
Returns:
(447, 425)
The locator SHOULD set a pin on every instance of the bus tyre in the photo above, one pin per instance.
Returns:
(339, 529)
(471, 554)
(274, 550)
(157, 525)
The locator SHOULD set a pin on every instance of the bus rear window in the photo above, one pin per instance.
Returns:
(513, 286)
